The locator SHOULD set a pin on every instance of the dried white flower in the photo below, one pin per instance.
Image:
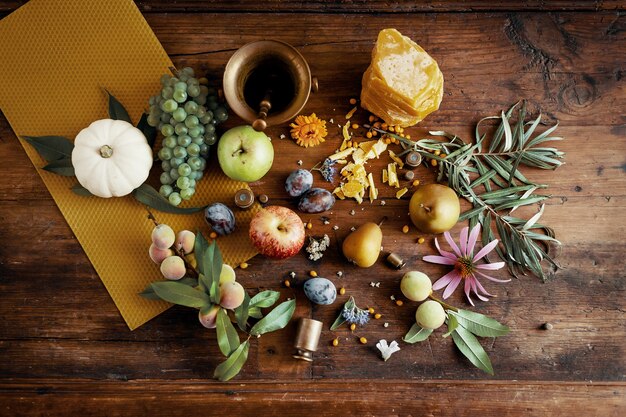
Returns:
(393, 298)
(352, 229)
(378, 284)
(386, 350)
(383, 202)
(317, 247)
(386, 324)
(332, 120)
(372, 284)
(292, 274)
(339, 274)
(352, 212)
(335, 227)
(326, 221)
(282, 136)
(299, 161)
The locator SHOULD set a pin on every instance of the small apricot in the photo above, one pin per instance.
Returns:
(231, 295)
(209, 318)
(163, 236)
(185, 241)
(227, 274)
(173, 267)
(158, 255)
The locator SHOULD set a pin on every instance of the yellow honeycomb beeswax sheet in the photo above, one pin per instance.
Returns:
(57, 58)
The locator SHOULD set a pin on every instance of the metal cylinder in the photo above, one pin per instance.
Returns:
(413, 159)
(307, 338)
(395, 260)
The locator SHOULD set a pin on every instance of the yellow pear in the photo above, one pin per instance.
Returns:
(362, 246)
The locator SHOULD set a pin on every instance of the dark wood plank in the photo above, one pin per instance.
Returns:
(359, 6)
(323, 398)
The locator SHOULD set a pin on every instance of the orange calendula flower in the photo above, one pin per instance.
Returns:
(308, 130)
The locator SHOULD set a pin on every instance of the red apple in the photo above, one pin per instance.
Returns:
(277, 232)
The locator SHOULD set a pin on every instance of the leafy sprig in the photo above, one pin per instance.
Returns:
(200, 289)
(57, 151)
(486, 173)
(464, 326)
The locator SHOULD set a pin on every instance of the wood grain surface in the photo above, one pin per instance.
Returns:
(65, 347)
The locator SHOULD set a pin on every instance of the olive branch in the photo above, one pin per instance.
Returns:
(486, 173)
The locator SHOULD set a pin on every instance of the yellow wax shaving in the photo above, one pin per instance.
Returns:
(401, 192)
(373, 191)
(395, 158)
(351, 113)
(341, 154)
(385, 176)
(393, 176)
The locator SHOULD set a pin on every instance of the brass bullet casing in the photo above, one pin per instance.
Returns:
(395, 260)
(413, 159)
(244, 198)
(307, 338)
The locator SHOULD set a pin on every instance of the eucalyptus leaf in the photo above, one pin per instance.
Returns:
(242, 313)
(62, 167)
(471, 348)
(51, 148)
(275, 319)
(81, 191)
(265, 299)
(147, 195)
(227, 337)
(181, 294)
(417, 334)
(231, 366)
(479, 324)
(117, 110)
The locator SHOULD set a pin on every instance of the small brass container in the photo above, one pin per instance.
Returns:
(267, 83)
(395, 261)
(307, 338)
(244, 198)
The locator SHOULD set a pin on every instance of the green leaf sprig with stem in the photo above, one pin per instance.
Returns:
(486, 173)
(200, 289)
(463, 326)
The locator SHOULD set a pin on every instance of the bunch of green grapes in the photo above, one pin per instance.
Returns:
(186, 113)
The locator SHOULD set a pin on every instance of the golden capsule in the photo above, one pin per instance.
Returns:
(309, 225)
(416, 183)
(287, 283)
(371, 310)
(342, 291)
(313, 274)
(335, 342)
(363, 340)
(243, 265)
(405, 229)
(213, 235)
(399, 303)
(421, 240)
(377, 316)
(433, 162)
(437, 152)
(353, 327)
(355, 126)
(371, 118)
(368, 135)
(353, 101)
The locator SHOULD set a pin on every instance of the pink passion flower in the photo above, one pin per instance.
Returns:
(465, 267)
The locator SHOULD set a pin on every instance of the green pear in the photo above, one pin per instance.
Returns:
(362, 246)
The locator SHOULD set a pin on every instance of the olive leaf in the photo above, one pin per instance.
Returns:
(227, 337)
(81, 191)
(147, 195)
(116, 109)
(243, 312)
(148, 131)
(479, 324)
(231, 366)
(149, 293)
(200, 250)
(417, 334)
(471, 348)
(452, 323)
(62, 167)
(255, 312)
(265, 299)
(181, 294)
(212, 270)
(275, 319)
(51, 148)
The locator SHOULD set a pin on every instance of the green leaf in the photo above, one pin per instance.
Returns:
(231, 366)
(471, 348)
(117, 110)
(452, 323)
(255, 312)
(62, 167)
(417, 334)
(148, 131)
(213, 270)
(521, 202)
(242, 312)
(149, 293)
(479, 324)
(81, 191)
(471, 213)
(265, 299)
(349, 305)
(276, 319)
(227, 337)
(181, 294)
(508, 137)
(200, 249)
(147, 195)
(531, 222)
(51, 148)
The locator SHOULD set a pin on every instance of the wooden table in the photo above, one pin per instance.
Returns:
(65, 347)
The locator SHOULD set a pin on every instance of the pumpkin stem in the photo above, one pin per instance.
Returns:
(106, 151)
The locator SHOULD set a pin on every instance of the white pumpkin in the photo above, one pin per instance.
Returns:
(111, 158)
